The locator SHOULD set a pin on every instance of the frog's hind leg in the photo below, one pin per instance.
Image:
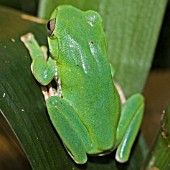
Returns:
(128, 126)
(63, 126)
(71, 130)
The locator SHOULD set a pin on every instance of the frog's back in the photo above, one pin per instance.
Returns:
(85, 73)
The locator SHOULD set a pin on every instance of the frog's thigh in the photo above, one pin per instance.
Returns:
(69, 127)
(128, 126)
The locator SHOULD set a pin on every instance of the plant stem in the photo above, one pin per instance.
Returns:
(159, 156)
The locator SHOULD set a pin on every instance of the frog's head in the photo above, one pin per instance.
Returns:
(70, 27)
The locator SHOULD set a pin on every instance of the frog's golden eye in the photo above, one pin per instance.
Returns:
(51, 26)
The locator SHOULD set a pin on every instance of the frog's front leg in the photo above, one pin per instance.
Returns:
(128, 126)
(43, 68)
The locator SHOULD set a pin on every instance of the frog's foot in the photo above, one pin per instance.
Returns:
(52, 91)
(27, 37)
(121, 94)
(48, 92)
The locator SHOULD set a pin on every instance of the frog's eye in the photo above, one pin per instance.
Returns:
(51, 26)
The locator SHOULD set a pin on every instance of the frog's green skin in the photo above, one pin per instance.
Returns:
(86, 115)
